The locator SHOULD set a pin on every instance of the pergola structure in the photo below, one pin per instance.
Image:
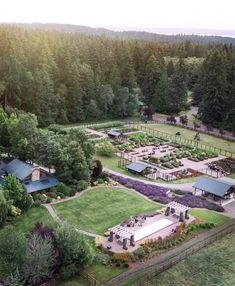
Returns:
(123, 233)
(177, 207)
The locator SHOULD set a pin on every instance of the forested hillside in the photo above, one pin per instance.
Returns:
(127, 35)
(69, 77)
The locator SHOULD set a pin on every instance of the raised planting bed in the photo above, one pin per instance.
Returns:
(143, 139)
(227, 165)
(189, 174)
(166, 162)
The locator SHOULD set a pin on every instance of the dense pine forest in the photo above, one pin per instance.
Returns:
(70, 77)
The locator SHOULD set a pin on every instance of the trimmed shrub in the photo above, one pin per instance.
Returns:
(106, 149)
(52, 195)
(61, 195)
(100, 181)
(64, 189)
(81, 185)
(37, 203)
(14, 211)
(26, 202)
(49, 200)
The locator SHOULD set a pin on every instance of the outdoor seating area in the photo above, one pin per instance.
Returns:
(130, 234)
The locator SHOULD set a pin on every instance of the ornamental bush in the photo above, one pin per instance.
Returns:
(106, 149)
(81, 185)
(64, 189)
(14, 211)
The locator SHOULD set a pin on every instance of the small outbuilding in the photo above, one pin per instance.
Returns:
(138, 168)
(218, 188)
(114, 134)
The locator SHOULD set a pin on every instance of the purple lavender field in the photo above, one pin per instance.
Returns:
(160, 194)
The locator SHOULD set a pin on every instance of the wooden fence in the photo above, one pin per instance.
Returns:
(86, 276)
(90, 279)
(149, 270)
(201, 130)
(174, 260)
(184, 141)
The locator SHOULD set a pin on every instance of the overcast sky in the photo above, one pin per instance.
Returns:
(201, 14)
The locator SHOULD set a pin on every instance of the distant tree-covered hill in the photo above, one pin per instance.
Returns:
(134, 35)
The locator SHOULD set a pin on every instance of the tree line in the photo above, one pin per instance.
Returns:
(69, 77)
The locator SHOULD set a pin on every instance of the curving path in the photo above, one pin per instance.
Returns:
(183, 187)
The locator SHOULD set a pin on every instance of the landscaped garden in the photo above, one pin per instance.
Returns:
(26, 221)
(101, 208)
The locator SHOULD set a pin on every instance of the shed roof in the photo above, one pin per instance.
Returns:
(137, 167)
(114, 133)
(213, 186)
(44, 183)
(19, 169)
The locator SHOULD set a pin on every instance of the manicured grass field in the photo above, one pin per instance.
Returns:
(101, 208)
(209, 216)
(189, 134)
(26, 221)
(213, 265)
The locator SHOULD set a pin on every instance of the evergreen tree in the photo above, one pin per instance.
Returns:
(162, 94)
(214, 99)
(152, 76)
(178, 89)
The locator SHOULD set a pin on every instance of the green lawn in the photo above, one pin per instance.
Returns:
(75, 281)
(101, 272)
(104, 207)
(26, 221)
(213, 265)
(189, 134)
(232, 176)
(104, 273)
(209, 216)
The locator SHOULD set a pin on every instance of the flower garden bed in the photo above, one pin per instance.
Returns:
(160, 194)
(155, 247)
